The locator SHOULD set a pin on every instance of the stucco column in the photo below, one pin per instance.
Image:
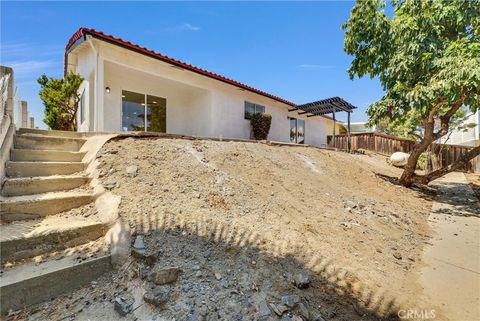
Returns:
(99, 94)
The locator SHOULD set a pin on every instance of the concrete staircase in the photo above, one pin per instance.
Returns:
(45, 177)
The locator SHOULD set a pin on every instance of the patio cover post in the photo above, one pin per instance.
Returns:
(334, 125)
(349, 146)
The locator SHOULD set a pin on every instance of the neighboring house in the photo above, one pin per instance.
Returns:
(124, 81)
(360, 127)
(470, 137)
(22, 114)
(23, 119)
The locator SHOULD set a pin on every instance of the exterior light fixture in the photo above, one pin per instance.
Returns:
(107, 90)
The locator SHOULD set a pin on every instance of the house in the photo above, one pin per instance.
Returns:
(360, 127)
(124, 82)
(466, 137)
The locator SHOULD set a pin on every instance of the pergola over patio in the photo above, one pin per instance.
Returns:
(327, 106)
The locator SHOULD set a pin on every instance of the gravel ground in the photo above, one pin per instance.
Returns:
(243, 220)
(474, 180)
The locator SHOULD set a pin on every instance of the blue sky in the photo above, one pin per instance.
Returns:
(290, 49)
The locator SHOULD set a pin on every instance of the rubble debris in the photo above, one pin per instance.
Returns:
(132, 170)
(302, 280)
(158, 296)
(123, 305)
(165, 275)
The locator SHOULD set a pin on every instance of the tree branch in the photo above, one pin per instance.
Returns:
(461, 162)
(445, 119)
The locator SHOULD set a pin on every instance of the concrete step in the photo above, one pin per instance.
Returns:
(29, 169)
(32, 141)
(43, 132)
(42, 184)
(39, 205)
(33, 283)
(33, 155)
(23, 239)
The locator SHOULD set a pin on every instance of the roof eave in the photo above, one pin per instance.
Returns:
(81, 33)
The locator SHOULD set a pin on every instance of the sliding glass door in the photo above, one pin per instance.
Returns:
(300, 131)
(297, 131)
(133, 111)
(156, 114)
(293, 130)
(142, 112)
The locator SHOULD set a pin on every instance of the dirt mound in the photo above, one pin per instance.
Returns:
(263, 214)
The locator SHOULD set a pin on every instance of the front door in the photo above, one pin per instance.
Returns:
(141, 112)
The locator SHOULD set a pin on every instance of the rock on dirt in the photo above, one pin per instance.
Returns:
(157, 296)
(165, 275)
(263, 309)
(139, 243)
(132, 170)
(291, 300)
(279, 309)
(123, 305)
(399, 159)
(302, 280)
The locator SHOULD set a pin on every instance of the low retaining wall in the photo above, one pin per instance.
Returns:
(7, 131)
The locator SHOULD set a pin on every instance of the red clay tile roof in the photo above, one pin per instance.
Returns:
(82, 32)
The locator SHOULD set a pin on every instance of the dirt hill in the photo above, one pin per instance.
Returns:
(243, 220)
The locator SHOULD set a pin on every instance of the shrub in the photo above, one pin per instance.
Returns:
(422, 161)
(61, 100)
(261, 123)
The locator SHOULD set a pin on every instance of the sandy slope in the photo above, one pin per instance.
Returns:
(264, 212)
(304, 201)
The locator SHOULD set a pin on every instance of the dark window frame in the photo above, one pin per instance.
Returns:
(247, 114)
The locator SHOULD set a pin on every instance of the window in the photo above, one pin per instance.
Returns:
(251, 108)
(141, 112)
(82, 107)
(297, 130)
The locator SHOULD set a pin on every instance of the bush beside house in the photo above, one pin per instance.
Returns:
(261, 123)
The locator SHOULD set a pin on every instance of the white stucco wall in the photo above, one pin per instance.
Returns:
(196, 104)
(83, 62)
(187, 107)
(470, 137)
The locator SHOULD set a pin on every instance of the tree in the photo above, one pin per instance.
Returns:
(427, 58)
(61, 99)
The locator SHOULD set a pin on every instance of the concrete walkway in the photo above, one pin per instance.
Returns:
(451, 277)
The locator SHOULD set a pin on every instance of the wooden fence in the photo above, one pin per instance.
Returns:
(440, 155)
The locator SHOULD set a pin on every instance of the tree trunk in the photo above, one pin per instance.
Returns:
(409, 170)
(408, 175)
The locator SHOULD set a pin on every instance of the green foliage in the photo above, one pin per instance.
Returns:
(410, 127)
(422, 161)
(427, 58)
(261, 123)
(60, 98)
